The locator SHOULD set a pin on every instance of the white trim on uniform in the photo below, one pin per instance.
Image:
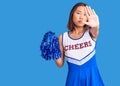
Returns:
(82, 61)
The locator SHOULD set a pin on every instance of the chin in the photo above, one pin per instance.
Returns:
(81, 25)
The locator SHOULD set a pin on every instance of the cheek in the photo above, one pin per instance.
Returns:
(85, 19)
(75, 18)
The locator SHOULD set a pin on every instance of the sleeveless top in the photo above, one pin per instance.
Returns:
(78, 51)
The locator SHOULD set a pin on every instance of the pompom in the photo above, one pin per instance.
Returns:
(50, 46)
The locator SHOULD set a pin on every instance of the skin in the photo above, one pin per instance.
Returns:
(82, 15)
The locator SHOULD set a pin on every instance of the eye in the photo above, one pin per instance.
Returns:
(78, 12)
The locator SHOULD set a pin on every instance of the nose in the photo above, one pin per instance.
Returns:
(81, 16)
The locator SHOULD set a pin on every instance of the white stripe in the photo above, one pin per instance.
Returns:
(80, 62)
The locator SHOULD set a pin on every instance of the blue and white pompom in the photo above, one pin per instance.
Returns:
(50, 46)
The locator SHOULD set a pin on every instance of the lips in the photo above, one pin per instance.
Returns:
(80, 21)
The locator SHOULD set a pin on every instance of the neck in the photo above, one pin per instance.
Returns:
(79, 30)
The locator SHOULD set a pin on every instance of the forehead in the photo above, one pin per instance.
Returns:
(80, 8)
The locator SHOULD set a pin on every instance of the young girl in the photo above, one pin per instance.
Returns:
(78, 47)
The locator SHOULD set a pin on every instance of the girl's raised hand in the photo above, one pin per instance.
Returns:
(93, 20)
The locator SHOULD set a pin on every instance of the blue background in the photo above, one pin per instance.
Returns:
(22, 25)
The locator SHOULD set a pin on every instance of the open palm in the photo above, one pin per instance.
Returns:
(93, 20)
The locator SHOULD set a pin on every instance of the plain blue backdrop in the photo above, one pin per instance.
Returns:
(22, 25)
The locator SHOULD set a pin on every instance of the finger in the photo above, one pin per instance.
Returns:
(89, 10)
(86, 12)
(94, 12)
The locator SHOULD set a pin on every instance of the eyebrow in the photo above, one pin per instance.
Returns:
(78, 11)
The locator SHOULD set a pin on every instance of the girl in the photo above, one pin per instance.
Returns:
(78, 47)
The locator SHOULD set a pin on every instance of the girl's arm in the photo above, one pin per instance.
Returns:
(93, 22)
(94, 32)
(59, 62)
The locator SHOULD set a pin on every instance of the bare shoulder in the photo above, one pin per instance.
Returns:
(60, 37)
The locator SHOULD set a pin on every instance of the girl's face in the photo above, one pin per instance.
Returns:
(79, 16)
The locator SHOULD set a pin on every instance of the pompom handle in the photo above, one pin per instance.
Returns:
(50, 46)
